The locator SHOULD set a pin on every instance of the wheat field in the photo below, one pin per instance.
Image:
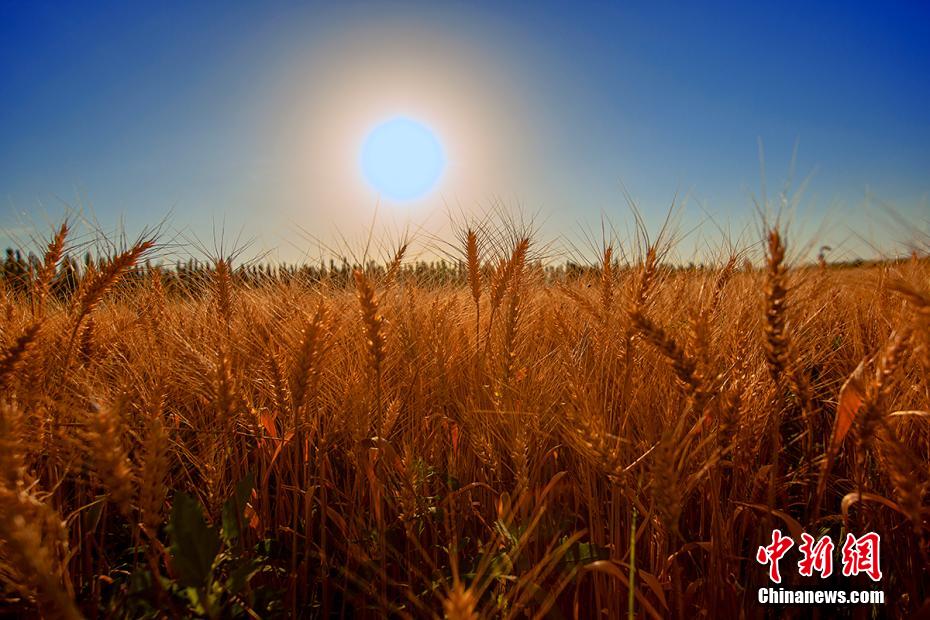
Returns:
(506, 440)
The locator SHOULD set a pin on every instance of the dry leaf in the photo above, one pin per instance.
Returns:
(852, 396)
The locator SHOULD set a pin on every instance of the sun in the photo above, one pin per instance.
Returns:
(402, 159)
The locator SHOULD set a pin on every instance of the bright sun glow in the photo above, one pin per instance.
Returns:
(402, 159)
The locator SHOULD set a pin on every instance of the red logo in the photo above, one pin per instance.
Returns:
(771, 554)
(817, 556)
(860, 555)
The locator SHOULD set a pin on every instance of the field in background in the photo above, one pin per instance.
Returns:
(504, 442)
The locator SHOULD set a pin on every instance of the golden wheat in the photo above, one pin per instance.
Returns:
(498, 438)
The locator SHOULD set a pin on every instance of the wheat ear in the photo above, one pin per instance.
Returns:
(607, 283)
(776, 340)
(307, 367)
(460, 603)
(685, 367)
(15, 356)
(473, 257)
(395, 264)
(374, 333)
(96, 284)
(49, 265)
(154, 474)
(109, 458)
(222, 291)
(31, 534)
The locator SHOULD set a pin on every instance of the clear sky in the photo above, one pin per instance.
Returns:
(251, 116)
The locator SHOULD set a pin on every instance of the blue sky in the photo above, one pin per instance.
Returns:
(136, 112)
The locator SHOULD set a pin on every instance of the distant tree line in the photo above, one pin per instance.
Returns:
(190, 277)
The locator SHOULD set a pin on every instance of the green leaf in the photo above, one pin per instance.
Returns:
(234, 510)
(194, 544)
(585, 553)
(240, 576)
